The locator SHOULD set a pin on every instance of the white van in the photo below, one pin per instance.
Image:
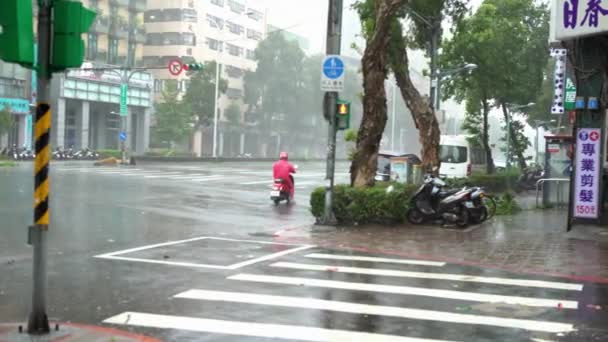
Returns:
(458, 158)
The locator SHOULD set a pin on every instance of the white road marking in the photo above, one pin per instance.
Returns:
(164, 175)
(189, 176)
(374, 259)
(208, 179)
(269, 257)
(269, 181)
(281, 331)
(118, 254)
(380, 310)
(407, 290)
(439, 276)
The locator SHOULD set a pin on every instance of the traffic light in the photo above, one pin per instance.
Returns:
(17, 32)
(71, 20)
(193, 66)
(343, 115)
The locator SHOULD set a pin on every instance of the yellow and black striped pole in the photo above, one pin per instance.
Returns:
(42, 135)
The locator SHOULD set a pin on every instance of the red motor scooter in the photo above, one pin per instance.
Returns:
(281, 191)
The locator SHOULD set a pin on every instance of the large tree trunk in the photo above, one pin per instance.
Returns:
(485, 137)
(423, 114)
(374, 66)
(520, 156)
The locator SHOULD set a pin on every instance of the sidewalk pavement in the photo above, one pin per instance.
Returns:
(533, 241)
(68, 332)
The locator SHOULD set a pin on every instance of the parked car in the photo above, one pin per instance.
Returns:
(459, 158)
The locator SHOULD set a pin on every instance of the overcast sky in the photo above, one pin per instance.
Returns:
(309, 19)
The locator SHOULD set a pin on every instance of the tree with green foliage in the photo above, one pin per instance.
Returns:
(519, 143)
(174, 118)
(508, 40)
(200, 95)
(232, 113)
(386, 48)
(273, 88)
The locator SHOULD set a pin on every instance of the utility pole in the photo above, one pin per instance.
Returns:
(38, 322)
(333, 47)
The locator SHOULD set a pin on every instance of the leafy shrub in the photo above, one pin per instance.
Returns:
(366, 205)
(495, 183)
(506, 205)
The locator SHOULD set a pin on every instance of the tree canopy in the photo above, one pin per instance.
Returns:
(174, 118)
(200, 95)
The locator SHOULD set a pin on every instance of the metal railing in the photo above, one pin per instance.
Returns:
(557, 181)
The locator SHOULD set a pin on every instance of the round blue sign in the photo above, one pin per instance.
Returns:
(333, 68)
(583, 136)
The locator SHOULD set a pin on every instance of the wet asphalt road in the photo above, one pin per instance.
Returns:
(184, 253)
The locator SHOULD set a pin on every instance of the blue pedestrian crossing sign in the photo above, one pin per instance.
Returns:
(332, 74)
(122, 136)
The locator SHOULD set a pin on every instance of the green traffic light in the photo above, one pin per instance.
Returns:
(71, 20)
(17, 33)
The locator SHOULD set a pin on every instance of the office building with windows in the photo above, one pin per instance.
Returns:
(227, 31)
(86, 102)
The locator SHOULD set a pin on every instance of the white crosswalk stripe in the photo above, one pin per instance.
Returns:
(424, 275)
(291, 283)
(253, 329)
(375, 259)
(332, 305)
(407, 290)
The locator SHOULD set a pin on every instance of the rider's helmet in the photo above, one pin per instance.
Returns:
(283, 156)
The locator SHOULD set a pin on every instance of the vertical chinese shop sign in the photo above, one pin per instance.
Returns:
(588, 167)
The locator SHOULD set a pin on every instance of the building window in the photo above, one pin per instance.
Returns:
(253, 34)
(234, 72)
(153, 16)
(214, 21)
(234, 50)
(235, 28)
(154, 39)
(234, 93)
(190, 15)
(255, 15)
(250, 54)
(236, 6)
(92, 46)
(188, 39)
(218, 2)
(214, 44)
(112, 50)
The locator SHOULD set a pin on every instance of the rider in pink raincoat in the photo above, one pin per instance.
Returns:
(283, 169)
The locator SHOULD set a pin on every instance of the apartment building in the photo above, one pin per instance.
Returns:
(87, 102)
(227, 31)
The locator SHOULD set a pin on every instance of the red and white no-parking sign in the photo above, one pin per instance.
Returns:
(175, 67)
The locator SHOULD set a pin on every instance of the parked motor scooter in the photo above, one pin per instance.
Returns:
(430, 203)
